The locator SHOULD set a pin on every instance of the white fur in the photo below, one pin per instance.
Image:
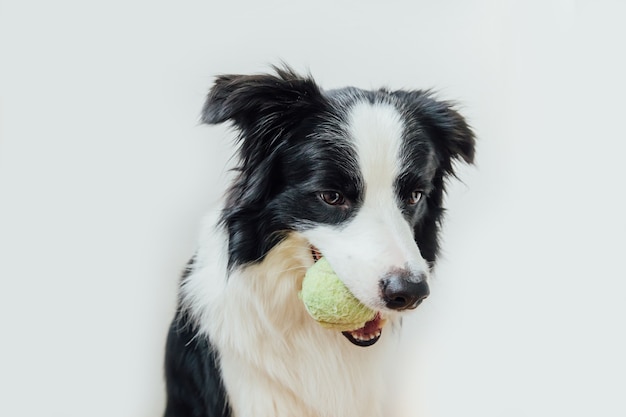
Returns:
(275, 360)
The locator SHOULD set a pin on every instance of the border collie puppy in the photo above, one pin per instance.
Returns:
(355, 176)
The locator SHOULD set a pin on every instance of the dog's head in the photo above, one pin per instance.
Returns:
(359, 174)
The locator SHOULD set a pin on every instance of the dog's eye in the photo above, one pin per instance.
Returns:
(415, 197)
(332, 198)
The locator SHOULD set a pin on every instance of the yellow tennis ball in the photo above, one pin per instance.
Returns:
(330, 302)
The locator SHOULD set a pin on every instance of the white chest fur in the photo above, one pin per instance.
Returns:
(275, 360)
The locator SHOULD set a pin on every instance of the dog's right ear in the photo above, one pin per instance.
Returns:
(261, 101)
(266, 109)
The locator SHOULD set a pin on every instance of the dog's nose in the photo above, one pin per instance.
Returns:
(402, 291)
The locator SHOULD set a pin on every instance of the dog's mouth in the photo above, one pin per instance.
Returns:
(366, 335)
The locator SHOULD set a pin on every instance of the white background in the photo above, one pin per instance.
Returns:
(105, 173)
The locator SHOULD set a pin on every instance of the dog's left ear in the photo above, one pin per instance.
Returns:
(454, 132)
(451, 134)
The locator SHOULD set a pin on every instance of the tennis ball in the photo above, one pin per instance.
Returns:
(330, 302)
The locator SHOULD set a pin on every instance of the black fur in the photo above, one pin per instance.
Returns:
(276, 189)
(194, 385)
(452, 138)
(291, 130)
(193, 380)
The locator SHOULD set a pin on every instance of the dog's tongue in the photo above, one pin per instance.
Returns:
(372, 325)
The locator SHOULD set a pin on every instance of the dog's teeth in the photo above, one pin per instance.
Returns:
(367, 337)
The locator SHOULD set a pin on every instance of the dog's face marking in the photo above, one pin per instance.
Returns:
(378, 239)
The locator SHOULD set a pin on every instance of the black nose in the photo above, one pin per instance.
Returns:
(402, 291)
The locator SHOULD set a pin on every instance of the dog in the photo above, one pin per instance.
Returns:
(355, 176)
